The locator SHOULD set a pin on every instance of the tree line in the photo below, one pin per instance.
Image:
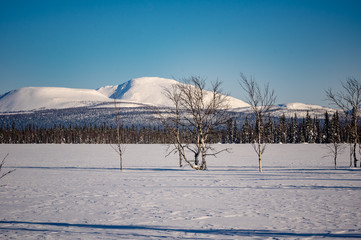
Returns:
(275, 130)
(291, 130)
(87, 134)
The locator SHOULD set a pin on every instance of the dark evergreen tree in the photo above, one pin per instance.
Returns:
(269, 131)
(229, 137)
(246, 133)
(317, 130)
(302, 131)
(282, 130)
(326, 129)
(235, 132)
(309, 129)
(335, 129)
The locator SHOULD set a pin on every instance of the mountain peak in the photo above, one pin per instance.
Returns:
(149, 90)
(146, 90)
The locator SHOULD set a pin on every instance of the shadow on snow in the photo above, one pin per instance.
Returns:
(100, 168)
(228, 232)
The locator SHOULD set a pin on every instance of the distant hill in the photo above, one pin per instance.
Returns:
(136, 98)
(140, 91)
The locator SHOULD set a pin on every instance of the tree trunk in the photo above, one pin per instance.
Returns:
(203, 151)
(350, 155)
(121, 161)
(196, 155)
(204, 164)
(354, 155)
(178, 135)
(260, 162)
(259, 146)
(180, 158)
(179, 148)
(335, 157)
(119, 149)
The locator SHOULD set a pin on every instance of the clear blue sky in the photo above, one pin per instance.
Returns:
(299, 47)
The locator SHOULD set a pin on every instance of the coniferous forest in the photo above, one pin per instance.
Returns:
(276, 130)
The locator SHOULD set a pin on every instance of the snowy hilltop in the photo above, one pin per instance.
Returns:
(146, 90)
(149, 90)
(135, 93)
(39, 98)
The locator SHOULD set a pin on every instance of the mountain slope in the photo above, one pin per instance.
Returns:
(149, 90)
(133, 93)
(146, 90)
(37, 98)
(301, 110)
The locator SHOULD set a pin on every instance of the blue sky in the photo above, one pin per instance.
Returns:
(299, 47)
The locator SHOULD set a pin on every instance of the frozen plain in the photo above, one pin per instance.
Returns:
(78, 192)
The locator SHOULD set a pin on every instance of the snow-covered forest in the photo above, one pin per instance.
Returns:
(277, 130)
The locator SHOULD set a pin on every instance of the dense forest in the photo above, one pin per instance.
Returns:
(276, 130)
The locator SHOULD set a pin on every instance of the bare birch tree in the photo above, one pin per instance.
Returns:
(334, 150)
(260, 100)
(173, 119)
(119, 147)
(349, 101)
(199, 112)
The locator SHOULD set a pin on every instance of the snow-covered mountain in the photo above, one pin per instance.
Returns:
(38, 98)
(146, 90)
(133, 93)
(149, 90)
(300, 109)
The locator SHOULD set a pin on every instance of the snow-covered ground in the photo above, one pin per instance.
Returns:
(77, 192)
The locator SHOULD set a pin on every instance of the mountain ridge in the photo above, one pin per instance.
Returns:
(140, 91)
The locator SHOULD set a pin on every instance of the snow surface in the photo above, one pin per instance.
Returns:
(149, 90)
(36, 98)
(301, 109)
(146, 90)
(77, 192)
(138, 91)
(302, 106)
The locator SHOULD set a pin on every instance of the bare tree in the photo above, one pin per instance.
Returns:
(349, 101)
(260, 100)
(173, 119)
(3, 174)
(199, 112)
(334, 150)
(119, 147)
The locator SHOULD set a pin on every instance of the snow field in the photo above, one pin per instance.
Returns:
(77, 192)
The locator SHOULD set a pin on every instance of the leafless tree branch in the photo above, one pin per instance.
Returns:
(348, 99)
(261, 101)
(198, 111)
(1, 168)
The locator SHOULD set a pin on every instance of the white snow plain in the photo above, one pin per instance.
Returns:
(78, 192)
